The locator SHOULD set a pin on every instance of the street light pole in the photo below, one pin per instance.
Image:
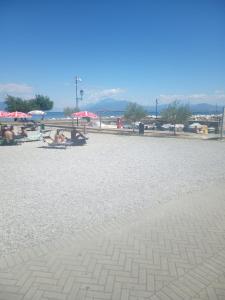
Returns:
(156, 108)
(222, 124)
(81, 93)
(77, 108)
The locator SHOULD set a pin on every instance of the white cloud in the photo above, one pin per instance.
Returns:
(96, 94)
(216, 97)
(110, 92)
(16, 89)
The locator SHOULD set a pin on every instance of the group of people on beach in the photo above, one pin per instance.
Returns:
(9, 137)
(61, 138)
(7, 134)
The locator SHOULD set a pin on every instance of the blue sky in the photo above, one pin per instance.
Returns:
(131, 50)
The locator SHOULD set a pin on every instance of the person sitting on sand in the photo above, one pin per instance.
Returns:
(59, 137)
(62, 137)
(11, 128)
(23, 132)
(75, 135)
(8, 135)
(3, 129)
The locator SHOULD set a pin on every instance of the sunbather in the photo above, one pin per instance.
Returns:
(23, 132)
(8, 136)
(75, 135)
(59, 137)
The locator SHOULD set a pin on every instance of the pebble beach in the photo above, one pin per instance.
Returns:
(46, 193)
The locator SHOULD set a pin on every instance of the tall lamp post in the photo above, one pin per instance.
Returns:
(81, 93)
(222, 124)
(156, 108)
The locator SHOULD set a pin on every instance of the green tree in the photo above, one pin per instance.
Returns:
(69, 110)
(134, 112)
(18, 104)
(43, 102)
(176, 114)
(12, 103)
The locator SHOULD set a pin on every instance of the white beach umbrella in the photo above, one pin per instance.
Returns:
(37, 112)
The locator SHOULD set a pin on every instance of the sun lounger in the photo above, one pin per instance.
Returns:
(30, 138)
(14, 142)
(76, 142)
(52, 144)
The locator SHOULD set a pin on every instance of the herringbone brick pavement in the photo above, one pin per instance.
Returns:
(175, 251)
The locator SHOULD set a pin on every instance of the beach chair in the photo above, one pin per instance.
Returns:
(13, 142)
(51, 144)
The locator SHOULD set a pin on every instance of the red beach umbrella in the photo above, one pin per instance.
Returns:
(84, 114)
(3, 114)
(18, 114)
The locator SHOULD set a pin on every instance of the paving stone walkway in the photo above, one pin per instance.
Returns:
(175, 251)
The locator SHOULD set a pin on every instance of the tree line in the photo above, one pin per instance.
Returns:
(39, 102)
(175, 113)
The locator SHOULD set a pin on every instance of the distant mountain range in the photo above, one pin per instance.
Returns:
(107, 105)
(112, 105)
(120, 105)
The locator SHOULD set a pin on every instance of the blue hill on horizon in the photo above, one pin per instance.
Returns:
(107, 104)
(110, 104)
(113, 105)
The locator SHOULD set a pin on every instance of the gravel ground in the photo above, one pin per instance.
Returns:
(49, 192)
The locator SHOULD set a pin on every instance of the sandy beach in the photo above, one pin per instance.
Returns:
(47, 193)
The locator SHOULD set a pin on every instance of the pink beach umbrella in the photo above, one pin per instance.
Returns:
(3, 114)
(18, 115)
(84, 114)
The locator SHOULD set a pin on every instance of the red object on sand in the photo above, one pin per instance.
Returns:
(84, 114)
